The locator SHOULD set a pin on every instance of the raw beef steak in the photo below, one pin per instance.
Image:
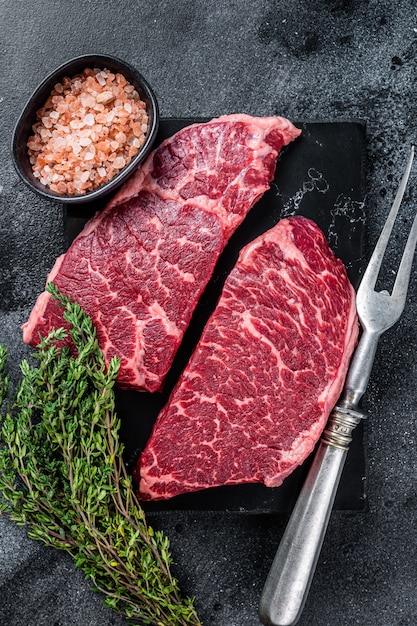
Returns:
(139, 266)
(268, 369)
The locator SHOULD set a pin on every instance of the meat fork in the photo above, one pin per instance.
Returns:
(289, 579)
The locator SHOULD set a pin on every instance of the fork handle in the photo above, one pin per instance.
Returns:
(292, 570)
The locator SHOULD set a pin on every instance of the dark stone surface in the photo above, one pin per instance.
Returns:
(331, 60)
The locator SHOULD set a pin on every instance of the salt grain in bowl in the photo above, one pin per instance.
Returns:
(90, 127)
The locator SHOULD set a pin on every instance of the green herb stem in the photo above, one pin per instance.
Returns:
(62, 474)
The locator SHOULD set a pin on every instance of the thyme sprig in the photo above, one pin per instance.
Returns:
(62, 475)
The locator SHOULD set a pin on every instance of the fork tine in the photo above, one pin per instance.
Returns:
(399, 291)
(371, 273)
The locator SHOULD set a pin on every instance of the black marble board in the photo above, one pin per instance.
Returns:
(320, 176)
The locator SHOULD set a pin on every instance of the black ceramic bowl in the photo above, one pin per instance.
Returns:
(23, 128)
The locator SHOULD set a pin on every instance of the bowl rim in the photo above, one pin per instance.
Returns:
(74, 66)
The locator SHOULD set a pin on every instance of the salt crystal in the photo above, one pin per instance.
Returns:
(87, 100)
(62, 106)
(59, 142)
(119, 162)
(101, 118)
(137, 130)
(90, 153)
(89, 119)
(101, 78)
(84, 141)
(47, 122)
(120, 137)
(127, 107)
(105, 97)
(63, 129)
(76, 148)
(84, 176)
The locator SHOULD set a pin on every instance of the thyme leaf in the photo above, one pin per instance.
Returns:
(62, 474)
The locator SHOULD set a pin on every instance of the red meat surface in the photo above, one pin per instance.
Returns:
(139, 266)
(268, 369)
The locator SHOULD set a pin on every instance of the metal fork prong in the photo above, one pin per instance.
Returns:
(400, 288)
(371, 273)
